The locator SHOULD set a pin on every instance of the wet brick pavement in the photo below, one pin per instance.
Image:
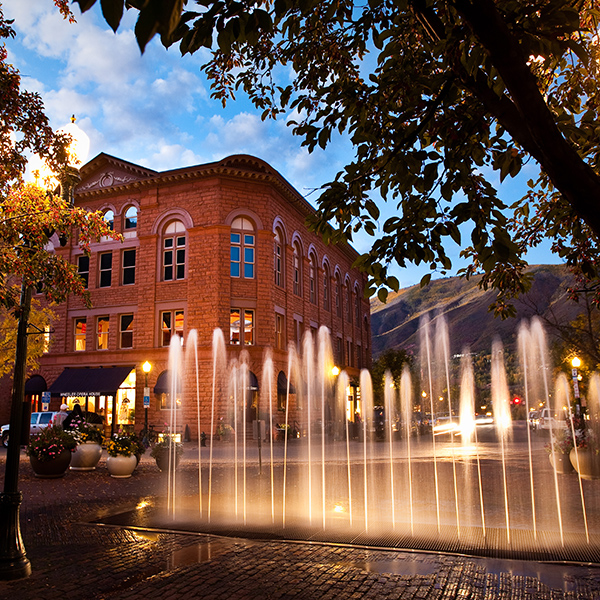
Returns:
(74, 559)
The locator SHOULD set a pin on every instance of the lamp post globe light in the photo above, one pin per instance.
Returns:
(14, 563)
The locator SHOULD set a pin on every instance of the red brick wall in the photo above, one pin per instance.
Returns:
(208, 292)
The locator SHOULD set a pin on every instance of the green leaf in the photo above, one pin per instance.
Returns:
(425, 280)
(382, 294)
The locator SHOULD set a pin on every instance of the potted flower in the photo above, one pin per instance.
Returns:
(224, 431)
(585, 456)
(559, 450)
(166, 451)
(121, 459)
(50, 452)
(89, 445)
(139, 447)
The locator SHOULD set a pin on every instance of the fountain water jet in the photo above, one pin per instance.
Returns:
(501, 403)
(371, 468)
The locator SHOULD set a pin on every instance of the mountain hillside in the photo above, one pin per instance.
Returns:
(465, 306)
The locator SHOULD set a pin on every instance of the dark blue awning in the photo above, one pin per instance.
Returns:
(36, 384)
(90, 381)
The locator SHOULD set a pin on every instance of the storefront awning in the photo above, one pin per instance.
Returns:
(162, 384)
(282, 384)
(90, 381)
(36, 384)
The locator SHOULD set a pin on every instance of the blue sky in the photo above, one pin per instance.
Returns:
(155, 110)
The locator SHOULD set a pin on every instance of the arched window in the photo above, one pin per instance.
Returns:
(357, 305)
(174, 242)
(243, 247)
(312, 277)
(326, 288)
(131, 217)
(297, 265)
(109, 219)
(338, 295)
(278, 257)
(348, 302)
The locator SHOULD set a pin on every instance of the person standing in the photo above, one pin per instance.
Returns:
(60, 416)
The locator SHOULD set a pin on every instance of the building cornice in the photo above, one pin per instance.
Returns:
(238, 166)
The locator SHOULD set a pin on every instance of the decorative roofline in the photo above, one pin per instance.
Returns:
(237, 166)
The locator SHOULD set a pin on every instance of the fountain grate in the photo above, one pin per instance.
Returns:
(523, 545)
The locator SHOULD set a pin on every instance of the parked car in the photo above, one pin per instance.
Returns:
(39, 421)
(534, 419)
(546, 420)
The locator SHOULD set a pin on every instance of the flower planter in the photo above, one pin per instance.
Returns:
(86, 456)
(589, 463)
(162, 459)
(121, 466)
(561, 462)
(51, 469)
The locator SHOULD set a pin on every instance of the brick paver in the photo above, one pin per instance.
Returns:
(74, 559)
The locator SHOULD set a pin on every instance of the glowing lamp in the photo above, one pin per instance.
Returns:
(79, 146)
(576, 363)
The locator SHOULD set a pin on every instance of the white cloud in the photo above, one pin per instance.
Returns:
(171, 156)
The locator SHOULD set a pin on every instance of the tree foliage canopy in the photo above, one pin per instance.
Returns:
(33, 220)
(439, 98)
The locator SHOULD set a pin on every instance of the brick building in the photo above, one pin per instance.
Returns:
(209, 246)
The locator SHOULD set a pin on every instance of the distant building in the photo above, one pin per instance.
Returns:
(221, 245)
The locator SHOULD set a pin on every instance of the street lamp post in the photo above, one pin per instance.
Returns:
(146, 367)
(576, 363)
(14, 563)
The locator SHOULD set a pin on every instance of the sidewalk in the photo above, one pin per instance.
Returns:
(73, 559)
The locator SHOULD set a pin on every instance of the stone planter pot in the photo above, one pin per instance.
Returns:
(162, 459)
(121, 466)
(589, 464)
(86, 457)
(561, 462)
(51, 469)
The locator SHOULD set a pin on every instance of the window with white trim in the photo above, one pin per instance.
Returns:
(312, 278)
(126, 331)
(83, 269)
(109, 219)
(102, 325)
(80, 333)
(174, 243)
(279, 331)
(297, 269)
(278, 258)
(129, 266)
(241, 327)
(131, 219)
(105, 275)
(348, 303)
(326, 288)
(242, 248)
(171, 323)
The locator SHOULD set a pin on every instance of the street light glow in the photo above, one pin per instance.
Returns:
(146, 367)
(576, 363)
